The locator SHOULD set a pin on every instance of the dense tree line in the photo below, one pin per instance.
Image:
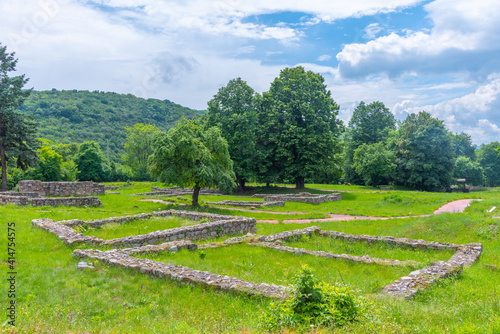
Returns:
(290, 133)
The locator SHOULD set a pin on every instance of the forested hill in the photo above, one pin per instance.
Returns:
(77, 116)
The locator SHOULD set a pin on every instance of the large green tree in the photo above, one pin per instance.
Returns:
(190, 156)
(470, 170)
(299, 125)
(369, 124)
(91, 163)
(423, 151)
(50, 164)
(17, 131)
(462, 146)
(139, 146)
(488, 158)
(374, 163)
(234, 110)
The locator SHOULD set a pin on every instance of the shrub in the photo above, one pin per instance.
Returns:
(313, 304)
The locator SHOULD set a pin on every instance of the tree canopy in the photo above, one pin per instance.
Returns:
(234, 110)
(17, 131)
(91, 163)
(299, 125)
(138, 148)
(369, 124)
(190, 156)
(462, 146)
(374, 163)
(489, 159)
(423, 151)
(470, 170)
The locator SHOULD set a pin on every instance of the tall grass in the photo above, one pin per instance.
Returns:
(54, 297)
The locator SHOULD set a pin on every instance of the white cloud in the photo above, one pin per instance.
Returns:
(463, 30)
(324, 58)
(372, 30)
(475, 113)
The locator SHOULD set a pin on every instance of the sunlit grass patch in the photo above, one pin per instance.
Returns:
(378, 249)
(136, 227)
(263, 265)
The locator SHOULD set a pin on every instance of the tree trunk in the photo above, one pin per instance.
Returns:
(267, 185)
(241, 186)
(299, 182)
(196, 193)
(4, 167)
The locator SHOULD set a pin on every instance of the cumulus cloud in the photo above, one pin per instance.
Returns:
(465, 37)
(475, 113)
(324, 58)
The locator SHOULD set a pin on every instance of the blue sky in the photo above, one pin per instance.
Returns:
(441, 56)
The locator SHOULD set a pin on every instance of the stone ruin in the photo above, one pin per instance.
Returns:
(86, 188)
(218, 225)
(177, 191)
(177, 238)
(34, 192)
(303, 197)
(250, 204)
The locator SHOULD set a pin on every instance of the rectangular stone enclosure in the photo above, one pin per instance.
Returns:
(61, 188)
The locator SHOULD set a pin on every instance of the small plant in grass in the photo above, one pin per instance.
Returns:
(202, 254)
(314, 304)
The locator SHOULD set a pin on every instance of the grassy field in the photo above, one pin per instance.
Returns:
(52, 296)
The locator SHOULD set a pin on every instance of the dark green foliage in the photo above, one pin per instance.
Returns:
(369, 124)
(50, 164)
(17, 131)
(234, 110)
(190, 156)
(299, 127)
(374, 163)
(488, 158)
(76, 116)
(424, 155)
(470, 170)
(91, 163)
(462, 146)
(138, 148)
(313, 304)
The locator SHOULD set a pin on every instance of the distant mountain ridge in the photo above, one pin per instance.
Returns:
(76, 116)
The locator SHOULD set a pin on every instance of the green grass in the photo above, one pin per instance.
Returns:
(264, 265)
(378, 250)
(136, 227)
(52, 296)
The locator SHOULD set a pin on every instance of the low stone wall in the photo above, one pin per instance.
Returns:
(18, 200)
(66, 201)
(248, 203)
(303, 197)
(183, 274)
(111, 187)
(16, 193)
(417, 280)
(176, 191)
(42, 201)
(407, 286)
(223, 225)
(402, 242)
(363, 259)
(61, 188)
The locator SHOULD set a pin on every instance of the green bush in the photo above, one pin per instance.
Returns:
(313, 304)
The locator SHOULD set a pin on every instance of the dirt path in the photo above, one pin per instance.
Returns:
(455, 206)
(452, 207)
